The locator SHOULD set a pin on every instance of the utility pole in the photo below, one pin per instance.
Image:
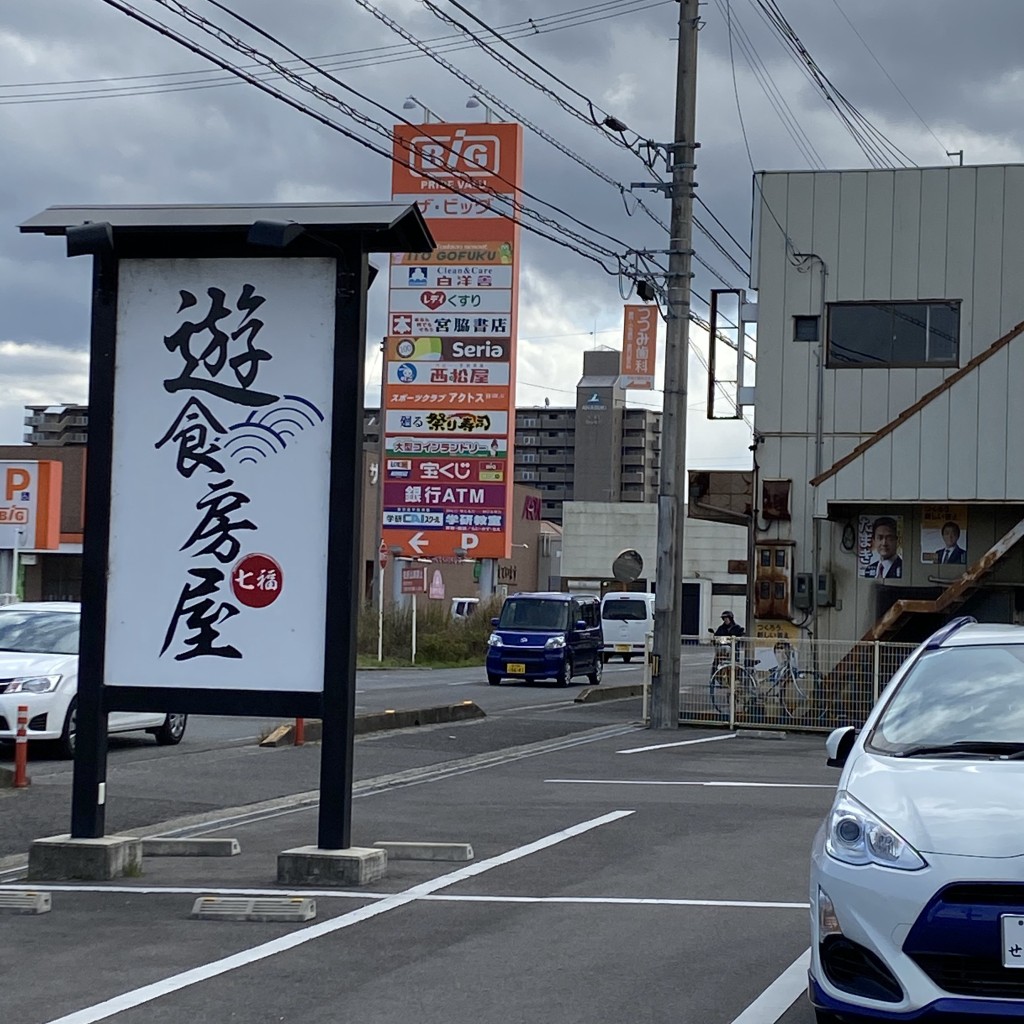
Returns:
(665, 669)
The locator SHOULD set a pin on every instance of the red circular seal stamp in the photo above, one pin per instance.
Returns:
(256, 580)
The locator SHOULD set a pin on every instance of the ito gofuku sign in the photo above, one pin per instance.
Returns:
(449, 377)
(222, 449)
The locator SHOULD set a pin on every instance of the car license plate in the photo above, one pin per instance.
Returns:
(1013, 940)
(623, 647)
(516, 668)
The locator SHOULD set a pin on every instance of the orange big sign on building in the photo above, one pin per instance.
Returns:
(639, 341)
(448, 400)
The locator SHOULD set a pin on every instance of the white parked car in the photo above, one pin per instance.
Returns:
(917, 873)
(39, 669)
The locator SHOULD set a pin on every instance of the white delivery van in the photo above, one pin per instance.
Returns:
(463, 607)
(626, 618)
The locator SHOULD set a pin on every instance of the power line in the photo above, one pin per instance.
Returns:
(742, 40)
(887, 75)
(500, 104)
(329, 122)
(375, 56)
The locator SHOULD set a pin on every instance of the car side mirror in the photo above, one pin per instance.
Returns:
(581, 625)
(494, 621)
(838, 745)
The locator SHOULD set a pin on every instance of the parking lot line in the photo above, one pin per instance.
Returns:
(780, 995)
(185, 979)
(677, 782)
(680, 743)
(625, 901)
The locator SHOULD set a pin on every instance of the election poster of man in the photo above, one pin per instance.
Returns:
(944, 535)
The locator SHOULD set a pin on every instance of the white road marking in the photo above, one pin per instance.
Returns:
(724, 785)
(158, 989)
(780, 995)
(681, 743)
(643, 901)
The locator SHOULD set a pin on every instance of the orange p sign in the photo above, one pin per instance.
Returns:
(17, 481)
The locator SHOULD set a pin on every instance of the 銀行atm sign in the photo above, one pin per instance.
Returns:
(30, 505)
(450, 357)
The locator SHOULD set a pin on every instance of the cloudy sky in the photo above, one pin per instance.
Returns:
(97, 108)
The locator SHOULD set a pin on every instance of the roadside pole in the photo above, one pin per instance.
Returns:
(667, 603)
(382, 552)
(415, 601)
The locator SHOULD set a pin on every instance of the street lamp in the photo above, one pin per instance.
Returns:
(474, 101)
(411, 103)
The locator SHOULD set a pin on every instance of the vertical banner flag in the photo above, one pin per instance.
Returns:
(639, 339)
(448, 398)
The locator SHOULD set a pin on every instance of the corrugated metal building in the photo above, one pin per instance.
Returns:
(890, 366)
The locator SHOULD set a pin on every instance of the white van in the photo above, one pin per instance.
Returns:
(626, 618)
(463, 607)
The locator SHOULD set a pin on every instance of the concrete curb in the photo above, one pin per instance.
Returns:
(425, 851)
(379, 721)
(592, 694)
(190, 847)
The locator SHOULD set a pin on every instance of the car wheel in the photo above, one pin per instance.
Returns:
(594, 678)
(66, 743)
(605, 657)
(493, 680)
(170, 733)
(627, 658)
(564, 676)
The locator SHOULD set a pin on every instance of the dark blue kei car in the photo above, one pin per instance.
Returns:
(546, 636)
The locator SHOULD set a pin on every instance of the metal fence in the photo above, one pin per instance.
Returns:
(789, 684)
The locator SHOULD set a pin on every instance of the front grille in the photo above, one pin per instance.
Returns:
(972, 975)
(854, 969)
(957, 939)
(4, 727)
(4, 683)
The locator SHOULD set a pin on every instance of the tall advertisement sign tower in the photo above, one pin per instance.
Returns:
(448, 399)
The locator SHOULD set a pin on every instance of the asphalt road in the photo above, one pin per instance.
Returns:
(619, 875)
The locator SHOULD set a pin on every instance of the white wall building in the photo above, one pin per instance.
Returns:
(594, 533)
(889, 380)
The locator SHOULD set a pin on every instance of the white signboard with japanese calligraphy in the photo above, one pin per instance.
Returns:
(220, 475)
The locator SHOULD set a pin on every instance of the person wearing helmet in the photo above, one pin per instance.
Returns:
(729, 626)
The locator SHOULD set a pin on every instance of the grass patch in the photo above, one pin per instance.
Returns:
(441, 641)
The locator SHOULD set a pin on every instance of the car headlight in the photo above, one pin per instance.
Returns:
(555, 643)
(858, 836)
(495, 641)
(33, 684)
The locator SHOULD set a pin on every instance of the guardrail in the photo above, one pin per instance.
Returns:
(789, 684)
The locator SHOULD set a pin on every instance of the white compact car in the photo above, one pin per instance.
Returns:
(917, 873)
(39, 670)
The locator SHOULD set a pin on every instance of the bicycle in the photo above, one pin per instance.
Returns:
(791, 688)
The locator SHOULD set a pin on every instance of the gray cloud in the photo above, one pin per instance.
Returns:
(231, 143)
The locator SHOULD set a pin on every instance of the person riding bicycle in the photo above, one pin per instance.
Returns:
(729, 626)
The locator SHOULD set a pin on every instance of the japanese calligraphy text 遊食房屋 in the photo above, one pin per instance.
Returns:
(218, 358)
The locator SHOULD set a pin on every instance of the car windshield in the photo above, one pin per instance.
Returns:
(624, 611)
(956, 696)
(38, 632)
(534, 614)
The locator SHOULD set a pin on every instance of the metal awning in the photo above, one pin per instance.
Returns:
(385, 227)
